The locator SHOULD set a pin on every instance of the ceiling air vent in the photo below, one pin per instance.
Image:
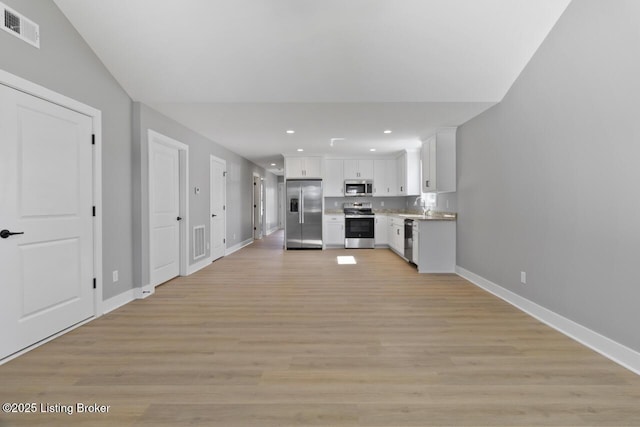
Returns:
(19, 26)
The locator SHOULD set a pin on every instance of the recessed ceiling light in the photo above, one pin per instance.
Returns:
(300, 149)
(291, 131)
(273, 164)
(372, 149)
(387, 131)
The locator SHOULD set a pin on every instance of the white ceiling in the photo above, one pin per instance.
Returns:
(241, 72)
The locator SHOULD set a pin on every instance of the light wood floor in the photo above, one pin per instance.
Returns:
(266, 338)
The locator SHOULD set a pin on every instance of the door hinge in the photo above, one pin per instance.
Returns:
(224, 207)
(94, 283)
(224, 240)
(254, 184)
(94, 211)
(93, 139)
(224, 173)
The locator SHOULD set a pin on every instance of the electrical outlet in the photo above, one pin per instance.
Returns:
(234, 237)
(115, 276)
(335, 204)
(208, 245)
(523, 277)
(381, 203)
(447, 203)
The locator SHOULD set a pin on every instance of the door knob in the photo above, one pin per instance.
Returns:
(6, 233)
(213, 215)
(178, 218)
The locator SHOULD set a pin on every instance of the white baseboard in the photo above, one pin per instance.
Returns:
(239, 246)
(610, 349)
(118, 301)
(44, 341)
(145, 291)
(272, 230)
(198, 266)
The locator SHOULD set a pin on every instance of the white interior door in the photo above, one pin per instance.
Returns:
(164, 211)
(257, 208)
(218, 208)
(46, 179)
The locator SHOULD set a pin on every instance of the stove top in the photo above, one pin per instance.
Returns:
(357, 208)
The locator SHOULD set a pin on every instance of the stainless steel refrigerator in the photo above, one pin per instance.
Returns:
(304, 214)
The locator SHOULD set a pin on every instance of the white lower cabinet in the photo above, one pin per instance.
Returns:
(396, 239)
(381, 231)
(437, 247)
(434, 243)
(334, 230)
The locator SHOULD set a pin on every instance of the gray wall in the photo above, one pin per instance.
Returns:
(548, 179)
(271, 201)
(239, 184)
(65, 64)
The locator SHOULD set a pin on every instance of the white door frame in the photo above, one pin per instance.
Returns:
(183, 150)
(224, 202)
(41, 92)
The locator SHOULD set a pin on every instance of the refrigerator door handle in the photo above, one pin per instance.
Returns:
(301, 206)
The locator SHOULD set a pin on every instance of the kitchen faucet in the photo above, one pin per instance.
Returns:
(423, 204)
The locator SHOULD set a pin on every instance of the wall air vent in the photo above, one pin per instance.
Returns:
(19, 26)
(199, 249)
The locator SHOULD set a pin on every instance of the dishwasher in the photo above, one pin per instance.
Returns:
(408, 239)
(411, 245)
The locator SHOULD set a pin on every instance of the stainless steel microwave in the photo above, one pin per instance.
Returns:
(359, 187)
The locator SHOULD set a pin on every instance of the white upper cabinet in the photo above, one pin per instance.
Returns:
(439, 162)
(408, 173)
(333, 178)
(385, 178)
(303, 167)
(358, 169)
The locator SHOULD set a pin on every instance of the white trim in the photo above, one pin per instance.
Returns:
(183, 150)
(610, 349)
(145, 291)
(118, 301)
(236, 248)
(224, 162)
(272, 230)
(199, 265)
(254, 205)
(42, 92)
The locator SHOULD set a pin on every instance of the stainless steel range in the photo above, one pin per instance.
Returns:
(359, 225)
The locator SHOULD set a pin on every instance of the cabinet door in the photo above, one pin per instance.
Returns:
(312, 167)
(293, 167)
(380, 183)
(358, 169)
(333, 180)
(334, 234)
(365, 169)
(351, 169)
(390, 232)
(429, 165)
(412, 173)
(381, 231)
(392, 177)
(402, 174)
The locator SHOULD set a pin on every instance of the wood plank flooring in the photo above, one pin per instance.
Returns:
(271, 338)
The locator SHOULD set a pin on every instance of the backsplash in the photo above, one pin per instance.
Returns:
(447, 202)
